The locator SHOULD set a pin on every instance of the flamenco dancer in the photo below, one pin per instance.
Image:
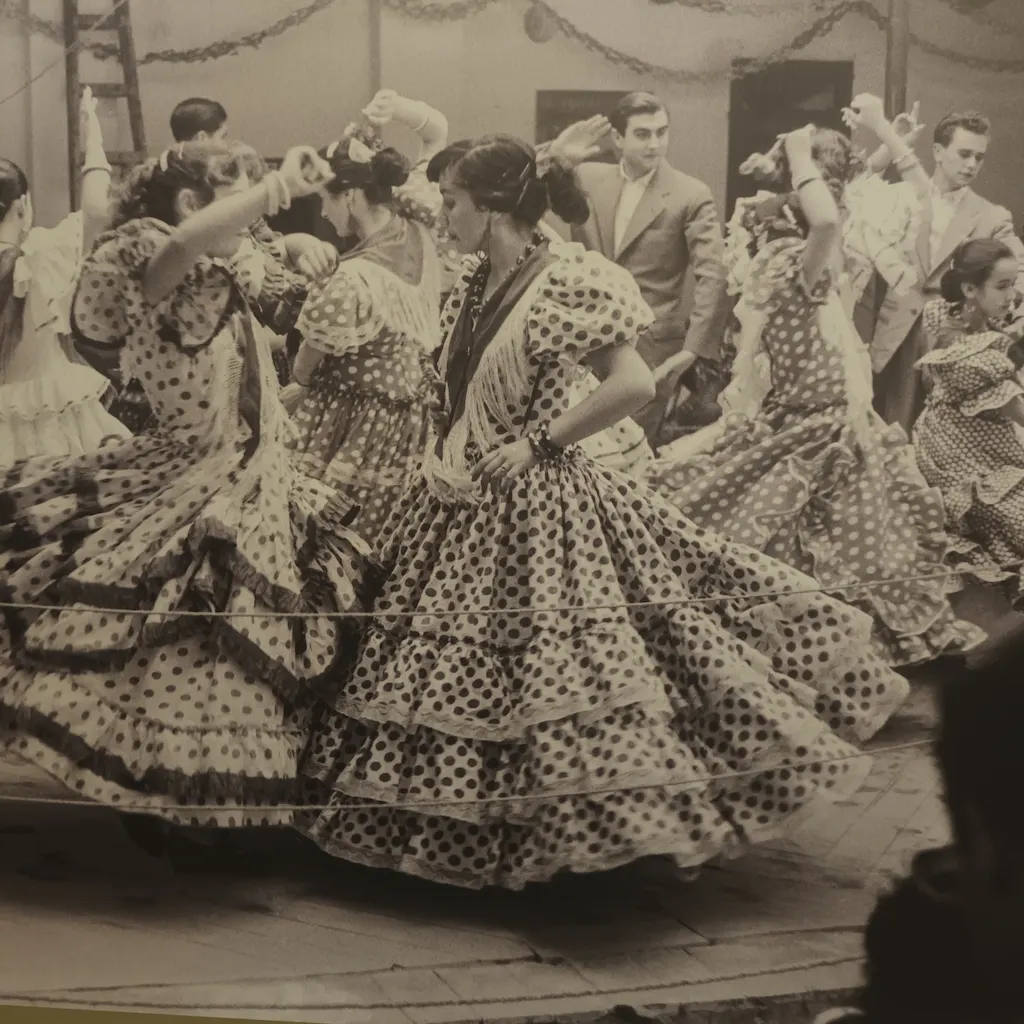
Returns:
(622, 446)
(49, 403)
(205, 514)
(969, 439)
(492, 686)
(364, 384)
(801, 467)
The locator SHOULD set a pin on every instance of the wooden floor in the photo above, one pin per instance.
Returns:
(89, 921)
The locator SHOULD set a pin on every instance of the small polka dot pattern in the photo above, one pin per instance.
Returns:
(364, 424)
(491, 721)
(966, 444)
(836, 496)
(126, 707)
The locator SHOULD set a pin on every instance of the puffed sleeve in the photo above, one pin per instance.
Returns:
(337, 316)
(47, 273)
(585, 303)
(777, 270)
(977, 376)
(110, 305)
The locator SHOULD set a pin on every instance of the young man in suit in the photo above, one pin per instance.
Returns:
(952, 214)
(658, 223)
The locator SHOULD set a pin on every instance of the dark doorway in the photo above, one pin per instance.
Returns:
(763, 104)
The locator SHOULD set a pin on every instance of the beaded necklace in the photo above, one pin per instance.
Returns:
(475, 291)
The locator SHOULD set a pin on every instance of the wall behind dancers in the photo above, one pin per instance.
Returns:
(312, 79)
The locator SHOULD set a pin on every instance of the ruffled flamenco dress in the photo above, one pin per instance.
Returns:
(802, 468)
(571, 675)
(200, 719)
(50, 404)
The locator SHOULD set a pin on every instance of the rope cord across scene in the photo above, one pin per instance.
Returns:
(411, 805)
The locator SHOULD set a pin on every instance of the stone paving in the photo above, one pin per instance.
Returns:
(89, 921)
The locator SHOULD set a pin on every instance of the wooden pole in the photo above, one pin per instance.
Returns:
(897, 53)
(375, 47)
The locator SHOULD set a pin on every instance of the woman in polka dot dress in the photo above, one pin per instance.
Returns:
(508, 716)
(204, 514)
(969, 439)
(802, 468)
(364, 384)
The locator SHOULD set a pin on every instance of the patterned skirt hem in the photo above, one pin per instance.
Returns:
(33, 735)
(688, 854)
(287, 686)
(258, 807)
(900, 639)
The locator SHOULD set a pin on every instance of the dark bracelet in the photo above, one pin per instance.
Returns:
(543, 447)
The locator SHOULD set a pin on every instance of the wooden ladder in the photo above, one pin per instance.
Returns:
(118, 21)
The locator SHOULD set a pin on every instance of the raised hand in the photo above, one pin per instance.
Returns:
(88, 117)
(304, 171)
(581, 141)
(866, 110)
(799, 144)
(908, 125)
(381, 109)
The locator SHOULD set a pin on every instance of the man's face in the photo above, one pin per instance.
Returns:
(958, 163)
(645, 142)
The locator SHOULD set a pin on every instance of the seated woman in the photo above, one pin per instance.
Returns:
(50, 404)
(969, 439)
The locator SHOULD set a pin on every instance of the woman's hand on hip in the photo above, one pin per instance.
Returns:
(497, 470)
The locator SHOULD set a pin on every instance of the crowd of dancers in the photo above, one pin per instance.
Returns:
(471, 536)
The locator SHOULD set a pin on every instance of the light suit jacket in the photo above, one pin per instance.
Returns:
(898, 315)
(675, 227)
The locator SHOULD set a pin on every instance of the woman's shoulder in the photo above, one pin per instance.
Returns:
(577, 274)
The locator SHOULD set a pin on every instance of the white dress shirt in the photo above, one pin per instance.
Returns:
(632, 192)
(944, 209)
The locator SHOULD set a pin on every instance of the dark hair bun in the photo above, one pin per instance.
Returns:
(565, 193)
(389, 168)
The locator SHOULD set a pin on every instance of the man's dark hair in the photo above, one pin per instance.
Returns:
(634, 104)
(192, 116)
(971, 121)
(447, 158)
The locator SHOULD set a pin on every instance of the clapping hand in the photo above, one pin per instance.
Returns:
(908, 126)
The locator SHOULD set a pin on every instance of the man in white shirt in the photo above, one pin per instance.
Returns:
(953, 214)
(659, 224)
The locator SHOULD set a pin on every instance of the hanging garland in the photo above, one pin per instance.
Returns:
(455, 10)
(195, 55)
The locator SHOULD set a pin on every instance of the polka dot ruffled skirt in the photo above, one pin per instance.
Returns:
(504, 746)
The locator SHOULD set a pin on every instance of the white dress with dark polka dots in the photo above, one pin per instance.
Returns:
(835, 494)
(140, 705)
(363, 424)
(966, 444)
(517, 725)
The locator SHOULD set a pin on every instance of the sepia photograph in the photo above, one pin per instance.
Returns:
(512, 511)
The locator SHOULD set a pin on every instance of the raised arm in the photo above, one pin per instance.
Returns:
(420, 118)
(819, 205)
(868, 111)
(95, 193)
(301, 174)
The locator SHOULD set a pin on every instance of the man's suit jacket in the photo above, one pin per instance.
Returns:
(898, 315)
(675, 227)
